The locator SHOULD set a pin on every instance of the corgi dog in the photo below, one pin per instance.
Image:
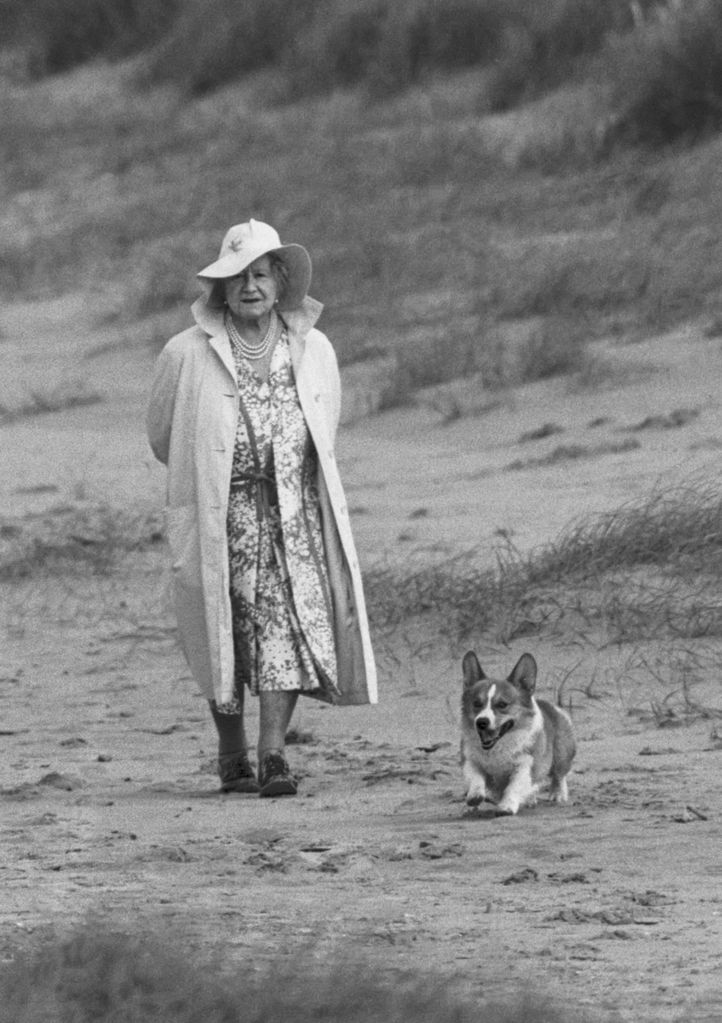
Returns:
(512, 744)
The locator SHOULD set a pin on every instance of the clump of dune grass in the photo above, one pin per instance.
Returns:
(648, 568)
(667, 75)
(59, 34)
(103, 976)
(572, 453)
(544, 44)
(454, 591)
(547, 346)
(384, 46)
(215, 42)
(678, 529)
(74, 538)
(38, 401)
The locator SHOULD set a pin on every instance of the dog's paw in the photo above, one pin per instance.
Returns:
(507, 808)
(560, 792)
(475, 798)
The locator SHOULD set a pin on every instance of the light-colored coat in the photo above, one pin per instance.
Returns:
(192, 418)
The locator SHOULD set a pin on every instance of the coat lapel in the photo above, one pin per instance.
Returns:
(211, 321)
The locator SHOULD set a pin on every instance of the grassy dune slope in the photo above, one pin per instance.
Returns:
(460, 213)
(429, 225)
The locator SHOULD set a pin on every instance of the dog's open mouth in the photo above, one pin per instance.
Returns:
(489, 741)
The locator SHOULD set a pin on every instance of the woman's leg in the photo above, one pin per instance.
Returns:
(234, 768)
(231, 732)
(275, 712)
(274, 776)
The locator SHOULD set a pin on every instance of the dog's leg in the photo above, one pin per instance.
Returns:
(520, 790)
(475, 784)
(559, 792)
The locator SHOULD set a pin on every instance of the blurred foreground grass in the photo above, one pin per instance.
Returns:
(101, 976)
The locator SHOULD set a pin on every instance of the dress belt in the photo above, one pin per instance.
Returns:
(266, 494)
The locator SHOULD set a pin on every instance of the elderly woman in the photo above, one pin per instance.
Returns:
(267, 590)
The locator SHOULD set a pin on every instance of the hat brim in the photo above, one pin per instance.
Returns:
(298, 264)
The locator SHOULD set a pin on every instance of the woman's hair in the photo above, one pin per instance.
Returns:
(216, 288)
(279, 271)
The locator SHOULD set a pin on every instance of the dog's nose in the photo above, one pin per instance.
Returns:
(482, 724)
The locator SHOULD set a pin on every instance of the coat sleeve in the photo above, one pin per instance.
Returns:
(333, 386)
(161, 405)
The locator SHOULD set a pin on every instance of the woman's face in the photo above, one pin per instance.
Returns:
(252, 293)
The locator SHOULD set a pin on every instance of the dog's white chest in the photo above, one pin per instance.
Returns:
(512, 749)
(502, 759)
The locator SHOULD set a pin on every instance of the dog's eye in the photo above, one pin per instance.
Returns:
(478, 704)
(501, 704)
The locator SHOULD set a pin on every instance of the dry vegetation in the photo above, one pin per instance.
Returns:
(647, 570)
(70, 394)
(74, 538)
(438, 222)
(100, 975)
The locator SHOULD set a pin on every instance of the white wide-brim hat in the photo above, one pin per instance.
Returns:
(242, 245)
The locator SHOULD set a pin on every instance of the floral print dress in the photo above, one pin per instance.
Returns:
(280, 596)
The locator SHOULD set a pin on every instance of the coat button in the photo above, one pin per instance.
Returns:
(317, 397)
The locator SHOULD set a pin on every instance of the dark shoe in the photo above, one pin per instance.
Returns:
(275, 777)
(236, 773)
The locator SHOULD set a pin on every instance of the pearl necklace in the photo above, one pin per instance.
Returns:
(250, 351)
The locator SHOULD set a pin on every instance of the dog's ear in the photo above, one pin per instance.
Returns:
(524, 673)
(473, 671)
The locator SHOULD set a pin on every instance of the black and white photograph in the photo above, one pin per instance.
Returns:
(360, 511)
